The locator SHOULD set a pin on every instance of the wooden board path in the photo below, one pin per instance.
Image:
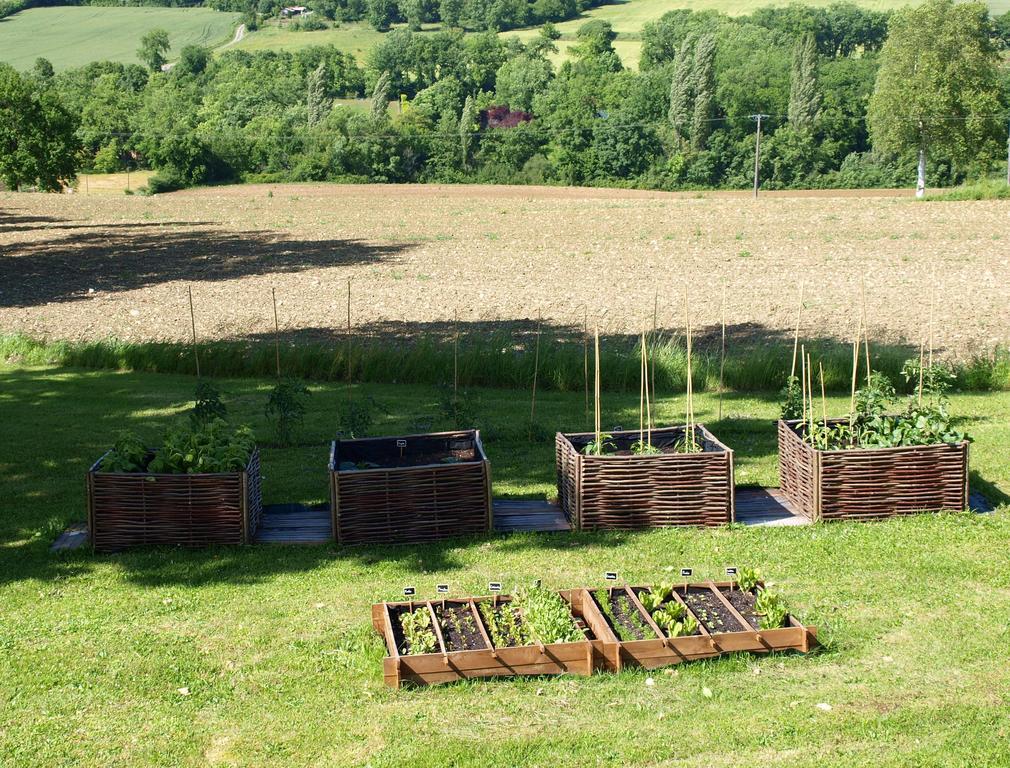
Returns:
(298, 524)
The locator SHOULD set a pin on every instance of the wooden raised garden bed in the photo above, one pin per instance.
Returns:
(472, 639)
(726, 623)
(870, 483)
(621, 490)
(411, 489)
(128, 509)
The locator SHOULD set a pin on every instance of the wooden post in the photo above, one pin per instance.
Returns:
(192, 325)
(277, 333)
(536, 368)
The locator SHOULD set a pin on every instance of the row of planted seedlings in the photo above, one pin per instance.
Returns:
(537, 631)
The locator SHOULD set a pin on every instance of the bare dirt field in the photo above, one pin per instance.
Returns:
(80, 267)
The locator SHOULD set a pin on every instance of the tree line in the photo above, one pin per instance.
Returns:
(851, 98)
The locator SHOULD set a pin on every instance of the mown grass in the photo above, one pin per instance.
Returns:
(264, 656)
(498, 359)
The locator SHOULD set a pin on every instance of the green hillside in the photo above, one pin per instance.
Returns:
(71, 36)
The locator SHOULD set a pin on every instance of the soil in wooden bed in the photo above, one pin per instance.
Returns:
(622, 615)
(397, 613)
(744, 604)
(710, 611)
(640, 592)
(459, 627)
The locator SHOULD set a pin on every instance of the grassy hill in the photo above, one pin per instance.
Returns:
(71, 36)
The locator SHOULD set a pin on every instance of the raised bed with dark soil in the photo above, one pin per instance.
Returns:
(475, 651)
(743, 602)
(870, 483)
(622, 614)
(624, 491)
(409, 489)
(712, 612)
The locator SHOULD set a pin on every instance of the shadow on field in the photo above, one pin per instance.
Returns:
(65, 266)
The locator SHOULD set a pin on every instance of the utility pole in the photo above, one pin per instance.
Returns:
(757, 152)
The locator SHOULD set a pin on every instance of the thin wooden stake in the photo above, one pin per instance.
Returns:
(643, 372)
(348, 340)
(932, 305)
(796, 336)
(722, 353)
(920, 373)
(596, 386)
(655, 336)
(866, 329)
(536, 369)
(277, 333)
(192, 324)
(690, 374)
(648, 406)
(455, 352)
(803, 382)
(855, 368)
(824, 399)
(585, 355)
(810, 389)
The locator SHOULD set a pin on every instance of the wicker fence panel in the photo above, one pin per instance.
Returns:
(867, 484)
(566, 461)
(632, 492)
(135, 509)
(401, 505)
(797, 476)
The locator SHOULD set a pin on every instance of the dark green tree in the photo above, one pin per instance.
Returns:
(938, 89)
(153, 47)
(317, 101)
(38, 141)
(704, 91)
(682, 92)
(804, 98)
(451, 13)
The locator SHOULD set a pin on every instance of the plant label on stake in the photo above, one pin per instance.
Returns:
(610, 575)
(687, 572)
(401, 444)
(494, 586)
(442, 589)
(409, 591)
(731, 571)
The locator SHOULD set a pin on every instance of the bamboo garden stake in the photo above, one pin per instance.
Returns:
(796, 335)
(192, 324)
(277, 333)
(803, 383)
(722, 353)
(585, 355)
(347, 345)
(536, 368)
(920, 373)
(932, 305)
(690, 374)
(824, 399)
(596, 385)
(866, 328)
(648, 406)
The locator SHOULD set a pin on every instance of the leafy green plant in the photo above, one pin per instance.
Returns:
(286, 408)
(418, 631)
(204, 448)
(208, 405)
(599, 447)
(547, 616)
(459, 407)
(503, 625)
(669, 615)
(747, 578)
(771, 608)
(356, 417)
(792, 399)
(211, 447)
(644, 448)
(129, 454)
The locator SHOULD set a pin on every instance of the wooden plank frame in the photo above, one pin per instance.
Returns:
(602, 650)
(128, 509)
(577, 658)
(615, 492)
(410, 504)
(663, 650)
(870, 483)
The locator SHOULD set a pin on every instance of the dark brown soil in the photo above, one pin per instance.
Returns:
(623, 612)
(710, 611)
(744, 603)
(401, 642)
(459, 628)
(639, 592)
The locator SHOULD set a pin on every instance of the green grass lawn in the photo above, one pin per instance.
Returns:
(264, 656)
(356, 38)
(72, 36)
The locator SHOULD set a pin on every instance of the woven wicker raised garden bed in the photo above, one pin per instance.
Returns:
(626, 491)
(129, 509)
(735, 629)
(870, 483)
(411, 489)
(484, 658)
